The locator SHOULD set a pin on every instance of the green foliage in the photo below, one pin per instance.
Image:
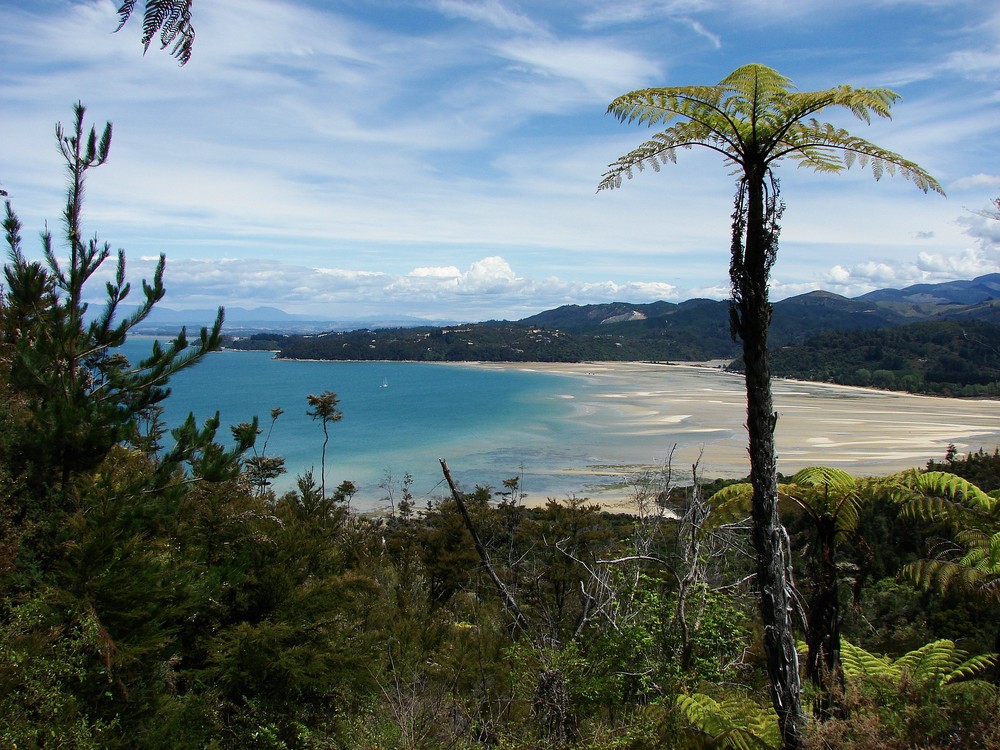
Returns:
(733, 720)
(932, 666)
(40, 666)
(949, 358)
(77, 398)
(979, 467)
(929, 697)
(973, 519)
(754, 114)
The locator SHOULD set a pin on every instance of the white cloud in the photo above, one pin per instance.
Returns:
(488, 288)
(984, 227)
(596, 66)
(699, 29)
(436, 272)
(926, 268)
(975, 181)
(491, 12)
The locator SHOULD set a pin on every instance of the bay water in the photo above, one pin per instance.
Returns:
(584, 430)
(398, 418)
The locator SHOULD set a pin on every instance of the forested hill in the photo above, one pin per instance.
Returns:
(949, 358)
(912, 339)
(694, 330)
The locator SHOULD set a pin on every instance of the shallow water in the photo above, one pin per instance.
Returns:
(565, 429)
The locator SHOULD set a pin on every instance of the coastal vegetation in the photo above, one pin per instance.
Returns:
(946, 358)
(940, 357)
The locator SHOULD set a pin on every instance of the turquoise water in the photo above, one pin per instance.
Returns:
(397, 416)
(584, 434)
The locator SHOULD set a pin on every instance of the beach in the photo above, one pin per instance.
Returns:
(637, 414)
(583, 430)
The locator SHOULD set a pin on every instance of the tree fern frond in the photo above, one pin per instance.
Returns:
(661, 105)
(943, 575)
(859, 663)
(933, 665)
(171, 19)
(938, 663)
(824, 476)
(955, 488)
(826, 148)
(972, 667)
(125, 12)
(931, 509)
(661, 149)
(735, 722)
(729, 504)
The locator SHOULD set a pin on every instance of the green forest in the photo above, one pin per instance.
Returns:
(947, 358)
(157, 593)
(942, 357)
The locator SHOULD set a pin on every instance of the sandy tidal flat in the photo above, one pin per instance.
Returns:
(638, 411)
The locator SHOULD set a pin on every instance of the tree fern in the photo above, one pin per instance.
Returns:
(755, 110)
(736, 721)
(973, 518)
(171, 19)
(754, 118)
(933, 665)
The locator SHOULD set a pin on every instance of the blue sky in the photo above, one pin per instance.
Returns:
(440, 158)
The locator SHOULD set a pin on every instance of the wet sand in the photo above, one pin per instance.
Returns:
(638, 411)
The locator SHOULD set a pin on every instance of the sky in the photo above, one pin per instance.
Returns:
(440, 158)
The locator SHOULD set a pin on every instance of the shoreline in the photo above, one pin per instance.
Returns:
(865, 431)
(716, 365)
(636, 414)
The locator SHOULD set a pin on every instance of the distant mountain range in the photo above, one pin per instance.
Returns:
(804, 314)
(240, 320)
(697, 329)
(980, 289)
(794, 317)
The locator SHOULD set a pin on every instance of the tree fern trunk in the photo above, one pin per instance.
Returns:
(823, 633)
(752, 316)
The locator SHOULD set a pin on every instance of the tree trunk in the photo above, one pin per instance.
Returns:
(752, 316)
(823, 636)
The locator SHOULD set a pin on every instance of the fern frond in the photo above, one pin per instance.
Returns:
(729, 504)
(826, 148)
(858, 663)
(944, 575)
(735, 722)
(824, 476)
(661, 105)
(171, 19)
(938, 663)
(125, 12)
(662, 149)
(971, 667)
(755, 113)
(955, 488)
(933, 665)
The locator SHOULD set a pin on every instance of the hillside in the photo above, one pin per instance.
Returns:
(929, 338)
(948, 358)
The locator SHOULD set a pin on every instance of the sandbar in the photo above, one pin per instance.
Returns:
(638, 412)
